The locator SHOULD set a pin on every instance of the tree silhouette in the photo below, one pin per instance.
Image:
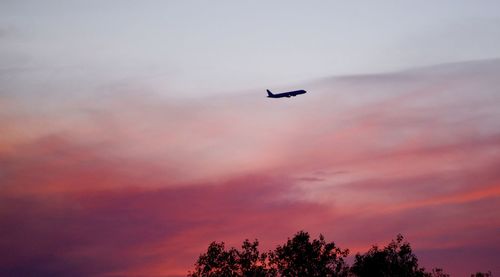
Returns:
(396, 259)
(221, 262)
(297, 257)
(301, 257)
(251, 262)
(216, 262)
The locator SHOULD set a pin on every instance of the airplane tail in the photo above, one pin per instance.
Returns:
(269, 93)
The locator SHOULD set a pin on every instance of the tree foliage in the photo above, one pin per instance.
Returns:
(300, 256)
(396, 259)
(221, 262)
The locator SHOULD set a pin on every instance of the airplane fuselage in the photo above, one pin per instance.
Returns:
(285, 94)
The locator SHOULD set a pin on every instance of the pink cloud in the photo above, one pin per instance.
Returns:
(140, 184)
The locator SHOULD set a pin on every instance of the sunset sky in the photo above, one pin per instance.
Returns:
(134, 133)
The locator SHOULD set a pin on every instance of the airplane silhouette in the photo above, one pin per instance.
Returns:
(285, 94)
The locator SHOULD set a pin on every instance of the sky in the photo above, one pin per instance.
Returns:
(133, 134)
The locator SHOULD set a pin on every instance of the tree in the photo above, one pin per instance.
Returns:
(301, 257)
(231, 263)
(297, 257)
(396, 259)
(252, 263)
(216, 262)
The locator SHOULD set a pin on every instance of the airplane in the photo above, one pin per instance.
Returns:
(285, 94)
